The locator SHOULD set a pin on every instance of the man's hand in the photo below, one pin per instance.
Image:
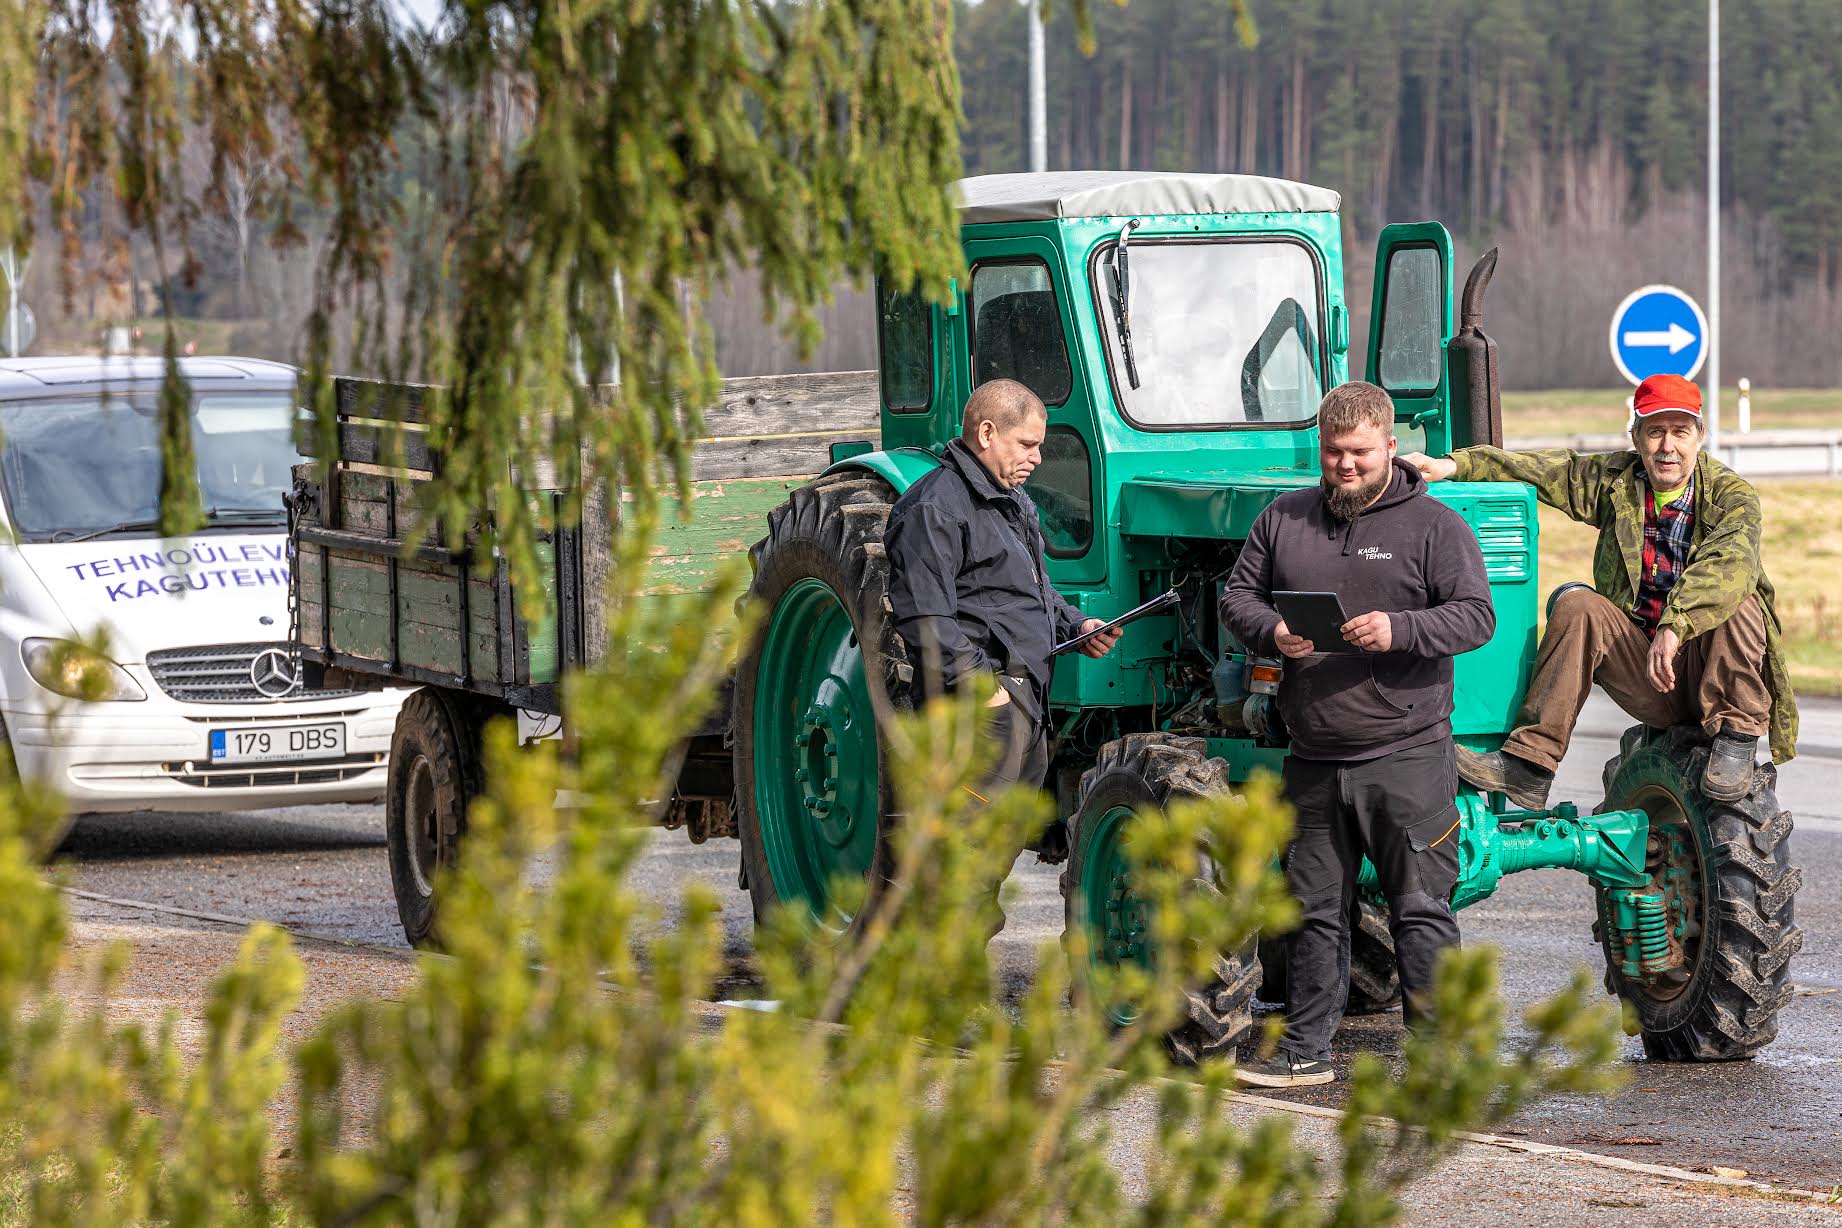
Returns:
(1432, 468)
(1289, 644)
(999, 697)
(1371, 632)
(1101, 644)
(1662, 664)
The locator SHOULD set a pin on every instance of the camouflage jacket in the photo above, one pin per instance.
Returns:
(1723, 567)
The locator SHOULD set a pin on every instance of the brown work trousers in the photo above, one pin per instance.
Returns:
(1720, 676)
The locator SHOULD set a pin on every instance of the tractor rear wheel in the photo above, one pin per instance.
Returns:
(1375, 981)
(1724, 871)
(812, 797)
(1137, 771)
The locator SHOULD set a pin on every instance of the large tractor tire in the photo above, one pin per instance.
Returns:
(1375, 980)
(812, 797)
(1724, 871)
(1137, 771)
(435, 773)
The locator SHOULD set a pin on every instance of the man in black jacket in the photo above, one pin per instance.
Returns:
(967, 581)
(1371, 766)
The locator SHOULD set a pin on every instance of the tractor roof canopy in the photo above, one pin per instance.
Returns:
(1072, 194)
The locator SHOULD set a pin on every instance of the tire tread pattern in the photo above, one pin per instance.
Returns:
(1219, 1014)
(1729, 1011)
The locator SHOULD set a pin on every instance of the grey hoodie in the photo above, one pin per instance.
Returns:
(1406, 554)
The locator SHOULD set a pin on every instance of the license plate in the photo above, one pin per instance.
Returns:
(278, 743)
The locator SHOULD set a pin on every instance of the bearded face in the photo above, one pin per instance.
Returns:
(1356, 465)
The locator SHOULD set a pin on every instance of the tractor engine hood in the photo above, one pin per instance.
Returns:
(1197, 506)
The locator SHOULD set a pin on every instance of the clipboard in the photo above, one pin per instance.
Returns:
(1318, 617)
(1163, 601)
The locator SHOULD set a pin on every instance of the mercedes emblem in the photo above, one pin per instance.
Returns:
(273, 673)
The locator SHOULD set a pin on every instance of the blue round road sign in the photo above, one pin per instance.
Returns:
(1658, 330)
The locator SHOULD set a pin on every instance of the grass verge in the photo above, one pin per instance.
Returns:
(1591, 411)
(1803, 557)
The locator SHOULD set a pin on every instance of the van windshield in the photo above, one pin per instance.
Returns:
(1222, 333)
(90, 465)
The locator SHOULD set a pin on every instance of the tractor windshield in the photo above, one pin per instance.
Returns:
(1222, 333)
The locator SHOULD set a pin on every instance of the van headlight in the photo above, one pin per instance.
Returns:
(68, 668)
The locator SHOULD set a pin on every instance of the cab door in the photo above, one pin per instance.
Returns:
(1410, 322)
(1018, 323)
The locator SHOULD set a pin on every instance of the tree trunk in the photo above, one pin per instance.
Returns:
(1476, 185)
(1125, 115)
(1247, 157)
(1501, 144)
(1224, 148)
(1429, 135)
(1295, 120)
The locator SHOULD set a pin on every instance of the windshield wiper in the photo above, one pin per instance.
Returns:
(126, 526)
(243, 515)
(1122, 305)
(213, 515)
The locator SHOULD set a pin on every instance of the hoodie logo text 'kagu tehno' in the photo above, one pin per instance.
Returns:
(1375, 554)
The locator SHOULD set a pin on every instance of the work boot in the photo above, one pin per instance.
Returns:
(1284, 1070)
(1728, 776)
(1519, 780)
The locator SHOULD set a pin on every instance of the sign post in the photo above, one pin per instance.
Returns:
(1659, 330)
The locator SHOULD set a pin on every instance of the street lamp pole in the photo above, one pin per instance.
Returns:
(1714, 227)
(1039, 121)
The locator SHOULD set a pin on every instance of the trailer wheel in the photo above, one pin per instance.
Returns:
(435, 773)
(1375, 979)
(1137, 771)
(1728, 886)
(812, 798)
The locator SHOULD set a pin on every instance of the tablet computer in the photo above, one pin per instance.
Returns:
(1319, 617)
(1163, 601)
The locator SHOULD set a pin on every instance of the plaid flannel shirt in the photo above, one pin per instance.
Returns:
(1668, 531)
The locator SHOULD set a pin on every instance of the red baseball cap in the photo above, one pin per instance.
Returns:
(1666, 394)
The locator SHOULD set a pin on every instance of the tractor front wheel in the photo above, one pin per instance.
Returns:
(1725, 874)
(812, 797)
(1138, 771)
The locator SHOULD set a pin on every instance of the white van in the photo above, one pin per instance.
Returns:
(204, 708)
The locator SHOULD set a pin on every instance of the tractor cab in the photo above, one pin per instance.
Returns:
(1181, 330)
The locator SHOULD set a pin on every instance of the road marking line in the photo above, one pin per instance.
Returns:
(1531, 1147)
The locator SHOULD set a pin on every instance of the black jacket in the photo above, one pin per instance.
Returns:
(1408, 555)
(968, 585)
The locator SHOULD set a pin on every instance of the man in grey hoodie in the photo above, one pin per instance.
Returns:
(1371, 766)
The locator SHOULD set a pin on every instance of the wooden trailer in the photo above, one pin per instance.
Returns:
(370, 611)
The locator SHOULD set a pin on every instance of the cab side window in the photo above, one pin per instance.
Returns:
(1017, 329)
(905, 345)
(1063, 490)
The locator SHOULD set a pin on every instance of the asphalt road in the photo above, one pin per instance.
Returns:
(322, 870)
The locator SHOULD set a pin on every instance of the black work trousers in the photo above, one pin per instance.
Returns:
(1022, 746)
(1399, 809)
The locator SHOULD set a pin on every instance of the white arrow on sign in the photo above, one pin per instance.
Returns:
(1676, 337)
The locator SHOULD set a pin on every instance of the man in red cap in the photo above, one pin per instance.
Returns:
(1678, 625)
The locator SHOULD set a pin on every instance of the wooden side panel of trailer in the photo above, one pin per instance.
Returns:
(367, 606)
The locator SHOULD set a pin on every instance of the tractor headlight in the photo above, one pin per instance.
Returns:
(68, 668)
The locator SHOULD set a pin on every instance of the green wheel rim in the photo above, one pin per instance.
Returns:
(1674, 861)
(818, 786)
(1117, 928)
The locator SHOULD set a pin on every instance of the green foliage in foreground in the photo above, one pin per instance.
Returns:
(548, 1072)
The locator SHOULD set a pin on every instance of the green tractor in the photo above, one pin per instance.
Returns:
(1182, 329)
